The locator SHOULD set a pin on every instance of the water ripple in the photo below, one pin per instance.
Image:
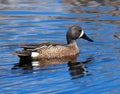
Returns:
(97, 67)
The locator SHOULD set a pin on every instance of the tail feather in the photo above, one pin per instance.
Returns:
(22, 53)
(28, 47)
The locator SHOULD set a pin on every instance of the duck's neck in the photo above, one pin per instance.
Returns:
(73, 43)
(70, 41)
(73, 46)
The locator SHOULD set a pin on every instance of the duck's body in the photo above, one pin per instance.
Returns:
(48, 50)
(54, 50)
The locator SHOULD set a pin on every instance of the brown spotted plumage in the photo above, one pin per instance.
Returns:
(53, 50)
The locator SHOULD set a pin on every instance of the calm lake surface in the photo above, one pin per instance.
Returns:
(96, 70)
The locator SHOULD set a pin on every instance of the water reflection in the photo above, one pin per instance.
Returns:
(78, 69)
(6, 1)
(92, 3)
(26, 63)
(47, 20)
(95, 10)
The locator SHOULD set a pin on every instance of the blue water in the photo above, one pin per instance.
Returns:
(96, 70)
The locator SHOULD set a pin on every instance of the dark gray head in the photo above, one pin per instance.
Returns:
(76, 32)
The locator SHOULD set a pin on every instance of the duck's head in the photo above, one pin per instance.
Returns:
(76, 32)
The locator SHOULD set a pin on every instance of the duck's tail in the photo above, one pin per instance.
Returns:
(23, 55)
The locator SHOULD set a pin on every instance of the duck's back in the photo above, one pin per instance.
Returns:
(53, 51)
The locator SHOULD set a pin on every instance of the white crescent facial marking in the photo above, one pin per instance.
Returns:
(34, 54)
(82, 33)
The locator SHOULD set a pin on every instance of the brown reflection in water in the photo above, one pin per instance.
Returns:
(77, 69)
(6, 1)
(92, 2)
(81, 7)
(96, 8)
(26, 62)
(95, 4)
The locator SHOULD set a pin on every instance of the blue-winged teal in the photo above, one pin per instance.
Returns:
(54, 50)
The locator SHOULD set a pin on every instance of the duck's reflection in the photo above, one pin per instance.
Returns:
(26, 63)
(77, 69)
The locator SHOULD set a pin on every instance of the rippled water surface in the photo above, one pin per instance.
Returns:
(96, 70)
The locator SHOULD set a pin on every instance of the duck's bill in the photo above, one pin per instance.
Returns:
(86, 38)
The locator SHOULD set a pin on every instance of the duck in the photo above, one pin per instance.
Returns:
(49, 50)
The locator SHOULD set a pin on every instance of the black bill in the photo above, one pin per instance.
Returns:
(86, 38)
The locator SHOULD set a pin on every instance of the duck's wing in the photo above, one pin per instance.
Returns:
(31, 47)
